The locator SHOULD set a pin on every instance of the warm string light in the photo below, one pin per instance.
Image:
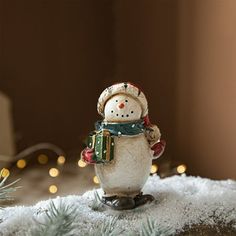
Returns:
(54, 172)
(95, 180)
(154, 169)
(61, 160)
(53, 189)
(4, 173)
(43, 159)
(81, 163)
(21, 163)
(181, 168)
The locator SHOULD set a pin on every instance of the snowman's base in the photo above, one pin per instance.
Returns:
(183, 206)
(127, 203)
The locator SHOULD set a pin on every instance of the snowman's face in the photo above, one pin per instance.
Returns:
(122, 108)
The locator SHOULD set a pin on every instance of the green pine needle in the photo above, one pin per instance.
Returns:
(97, 205)
(152, 228)
(108, 228)
(6, 190)
(58, 221)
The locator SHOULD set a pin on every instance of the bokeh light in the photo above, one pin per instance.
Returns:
(43, 159)
(52, 189)
(81, 163)
(95, 180)
(5, 172)
(53, 172)
(154, 169)
(181, 169)
(21, 163)
(61, 160)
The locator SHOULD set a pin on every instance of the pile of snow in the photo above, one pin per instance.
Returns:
(180, 202)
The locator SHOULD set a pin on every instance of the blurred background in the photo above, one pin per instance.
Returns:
(57, 56)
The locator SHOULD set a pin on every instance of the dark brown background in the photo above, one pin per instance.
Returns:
(57, 56)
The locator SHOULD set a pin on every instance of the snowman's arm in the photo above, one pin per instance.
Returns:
(153, 136)
(158, 148)
(87, 155)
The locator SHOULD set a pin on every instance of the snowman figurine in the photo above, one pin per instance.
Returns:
(123, 146)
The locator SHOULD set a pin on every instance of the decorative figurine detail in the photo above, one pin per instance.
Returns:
(123, 145)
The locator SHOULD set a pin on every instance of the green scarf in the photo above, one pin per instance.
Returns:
(123, 128)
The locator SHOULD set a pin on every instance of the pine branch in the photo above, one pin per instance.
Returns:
(6, 190)
(97, 204)
(108, 228)
(152, 228)
(58, 221)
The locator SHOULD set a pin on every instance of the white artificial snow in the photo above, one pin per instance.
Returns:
(180, 202)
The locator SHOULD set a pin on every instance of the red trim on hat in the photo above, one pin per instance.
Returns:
(146, 121)
(130, 84)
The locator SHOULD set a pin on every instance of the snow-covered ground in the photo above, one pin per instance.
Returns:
(180, 201)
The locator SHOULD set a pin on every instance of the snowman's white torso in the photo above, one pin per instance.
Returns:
(128, 172)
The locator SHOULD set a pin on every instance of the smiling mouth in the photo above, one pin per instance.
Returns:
(123, 115)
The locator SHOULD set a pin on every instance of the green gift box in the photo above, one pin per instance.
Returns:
(103, 144)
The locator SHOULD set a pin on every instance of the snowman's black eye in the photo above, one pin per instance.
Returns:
(116, 100)
(126, 100)
(132, 111)
(111, 111)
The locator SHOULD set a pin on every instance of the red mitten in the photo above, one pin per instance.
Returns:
(158, 148)
(87, 155)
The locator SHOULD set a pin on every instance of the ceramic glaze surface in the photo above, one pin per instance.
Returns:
(128, 172)
(123, 155)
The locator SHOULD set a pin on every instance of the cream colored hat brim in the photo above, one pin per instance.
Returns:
(125, 88)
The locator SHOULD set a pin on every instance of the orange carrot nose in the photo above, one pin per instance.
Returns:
(121, 105)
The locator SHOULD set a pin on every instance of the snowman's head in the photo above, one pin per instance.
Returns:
(122, 108)
(122, 102)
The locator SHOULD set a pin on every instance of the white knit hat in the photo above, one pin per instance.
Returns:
(123, 88)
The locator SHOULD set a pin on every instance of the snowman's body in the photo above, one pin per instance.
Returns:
(130, 168)
(128, 172)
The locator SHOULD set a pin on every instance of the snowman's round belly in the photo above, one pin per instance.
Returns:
(129, 170)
